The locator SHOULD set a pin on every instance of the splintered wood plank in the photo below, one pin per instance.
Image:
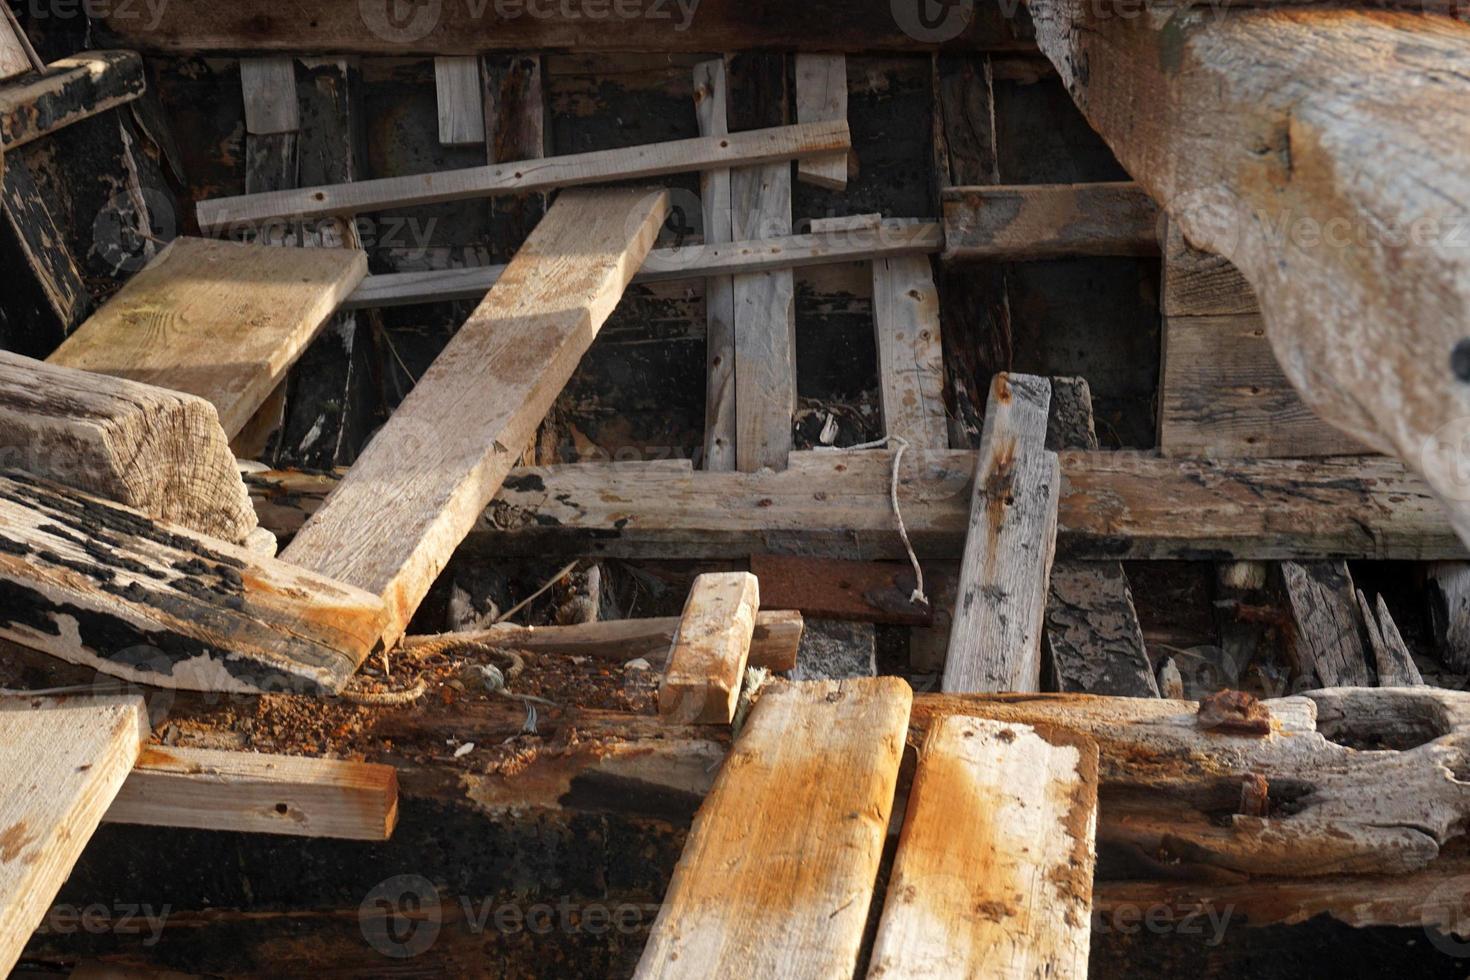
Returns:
(269, 88)
(1327, 642)
(1395, 666)
(220, 320)
(61, 763)
(1045, 221)
(831, 588)
(993, 876)
(630, 163)
(101, 585)
(418, 487)
(711, 647)
(42, 245)
(461, 101)
(72, 89)
(821, 95)
(995, 642)
(711, 103)
(780, 865)
(252, 793)
(910, 354)
(156, 450)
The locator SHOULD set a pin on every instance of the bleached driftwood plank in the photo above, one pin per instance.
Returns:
(61, 763)
(269, 88)
(419, 486)
(461, 100)
(631, 163)
(251, 793)
(158, 451)
(710, 650)
(995, 642)
(1044, 221)
(811, 778)
(993, 876)
(711, 100)
(821, 95)
(1328, 643)
(220, 320)
(101, 585)
(910, 353)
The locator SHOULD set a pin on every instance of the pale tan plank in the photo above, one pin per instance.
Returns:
(711, 100)
(419, 486)
(993, 876)
(710, 650)
(1044, 221)
(910, 354)
(251, 793)
(779, 868)
(13, 59)
(269, 88)
(461, 101)
(821, 95)
(765, 323)
(220, 320)
(61, 763)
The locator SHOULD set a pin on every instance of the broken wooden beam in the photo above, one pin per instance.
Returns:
(1048, 221)
(418, 487)
(995, 641)
(711, 647)
(62, 760)
(220, 320)
(812, 778)
(101, 585)
(1395, 665)
(1006, 889)
(219, 215)
(1327, 643)
(1362, 282)
(254, 793)
(72, 89)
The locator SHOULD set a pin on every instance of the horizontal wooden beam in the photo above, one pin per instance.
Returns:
(221, 215)
(1047, 221)
(72, 89)
(892, 239)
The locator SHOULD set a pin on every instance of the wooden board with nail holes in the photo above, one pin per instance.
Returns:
(711, 646)
(1011, 895)
(811, 778)
(62, 760)
(711, 101)
(910, 353)
(832, 588)
(216, 319)
(414, 493)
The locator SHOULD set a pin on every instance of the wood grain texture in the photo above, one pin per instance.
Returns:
(1197, 283)
(101, 585)
(993, 876)
(811, 779)
(42, 244)
(711, 646)
(461, 100)
(910, 351)
(831, 588)
(753, 148)
(821, 95)
(253, 793)
(61, 763)
(711, 101)
(1046, 221)
(220, 320)
(13, 59)
(72, 89)
(1327, 638)
(995, 641)
(269, 88)
(1448, 590)
(1310, 178)
(1394, 664)
(155, 450)
(418, 487)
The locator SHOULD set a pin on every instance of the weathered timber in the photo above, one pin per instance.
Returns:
(995, 640)
(155, 450)
(910, 351)
(993, 875)
(43, 245)
(1045, 221)
(831, 588)
(1327, 639)
(821, 94)
(811, 778)
(14, 54)
(418, 488)
(72, 89)
(1197, 283)
(104, 586)
(253, 793)
(1448, 592)
(461, 98)
(61, 762)
(269, 88)
(710, 650)
(1395, 665)
(1312, 177)
(711, 100)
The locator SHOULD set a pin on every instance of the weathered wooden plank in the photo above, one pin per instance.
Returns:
(61, 763)
(821, 94)
(72, 89)
(517, 127)
(251, 793)
(43, 244)
(1043, 221)
(993, 875)
(910, 351)
(155, 450)
(101, 585)
(812, 778)
(220, 320)
(269, 88)
(13, 58)
(831, 588)
(1366, 316)
(964, 121)
(418, 487)
(461, 99)
(702, 680)
(711, 101)
(995, 641)
(1197, 283)
(1448, 590)
(890, 240)
(1395, 666)
(1327, 641)
(755, 148)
